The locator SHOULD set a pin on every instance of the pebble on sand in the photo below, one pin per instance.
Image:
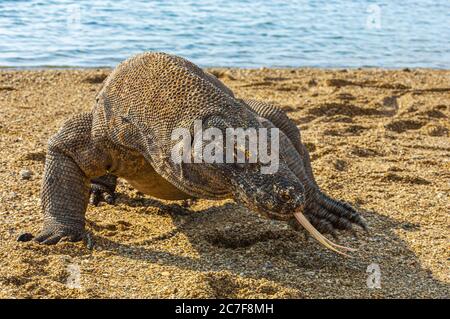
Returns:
(25, 174)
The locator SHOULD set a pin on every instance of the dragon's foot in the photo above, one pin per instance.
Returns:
(103, 189)
(101, 193)
(51, 235)
(324, 215)
(329, 215)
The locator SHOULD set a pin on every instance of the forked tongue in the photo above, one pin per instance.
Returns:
(319, 237)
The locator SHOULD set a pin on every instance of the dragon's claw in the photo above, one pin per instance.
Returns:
(53, 235)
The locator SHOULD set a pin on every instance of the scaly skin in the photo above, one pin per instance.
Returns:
(127, 136)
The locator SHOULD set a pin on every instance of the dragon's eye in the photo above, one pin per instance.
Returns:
(285, 196)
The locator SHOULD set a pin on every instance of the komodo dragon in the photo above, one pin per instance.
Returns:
(128, 135)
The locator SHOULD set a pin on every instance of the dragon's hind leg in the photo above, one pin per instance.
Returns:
(103, 189)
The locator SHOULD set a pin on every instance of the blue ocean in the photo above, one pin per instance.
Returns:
(238, 33)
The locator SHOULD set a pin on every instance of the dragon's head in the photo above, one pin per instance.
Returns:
(273, 191)
(276, 195)
(258, 175)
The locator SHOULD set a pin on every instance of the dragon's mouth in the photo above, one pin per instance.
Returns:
(277, 216)
(318, 236)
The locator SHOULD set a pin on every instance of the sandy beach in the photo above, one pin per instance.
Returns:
(378, 139)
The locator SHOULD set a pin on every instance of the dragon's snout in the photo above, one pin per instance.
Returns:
(279, 201)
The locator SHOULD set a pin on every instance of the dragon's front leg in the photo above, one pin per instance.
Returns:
(72, 160)
(64, 197)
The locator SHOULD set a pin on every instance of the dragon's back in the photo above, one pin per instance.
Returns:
(161, 88)
(150, 95)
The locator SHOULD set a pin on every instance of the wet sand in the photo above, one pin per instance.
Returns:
(378, 139)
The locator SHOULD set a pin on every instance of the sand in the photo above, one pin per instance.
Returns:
(378, 139)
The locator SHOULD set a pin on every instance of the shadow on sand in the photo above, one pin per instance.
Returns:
(230, 238)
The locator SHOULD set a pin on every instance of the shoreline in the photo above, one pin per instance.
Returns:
(361, 68)
(378, 138)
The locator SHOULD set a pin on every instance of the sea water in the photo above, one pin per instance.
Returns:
(238, 33)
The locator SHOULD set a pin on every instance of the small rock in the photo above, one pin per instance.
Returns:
(25, 174)
(340, 165)
(65, 258)
(25, 237)
(268, 265)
